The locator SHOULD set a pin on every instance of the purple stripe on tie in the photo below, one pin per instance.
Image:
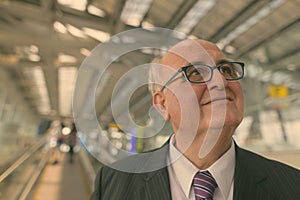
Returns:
(204, 185)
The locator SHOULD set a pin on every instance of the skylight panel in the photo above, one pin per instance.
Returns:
(134, 11)
(194, 15)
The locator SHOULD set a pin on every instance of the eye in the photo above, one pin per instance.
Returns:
(197, 73)
(194, 71)
(228, 70)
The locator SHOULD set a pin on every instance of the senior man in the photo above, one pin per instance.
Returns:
(196, 87)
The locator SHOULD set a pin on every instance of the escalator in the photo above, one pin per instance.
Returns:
(34, 176)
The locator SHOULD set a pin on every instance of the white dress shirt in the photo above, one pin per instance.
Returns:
(182, 171)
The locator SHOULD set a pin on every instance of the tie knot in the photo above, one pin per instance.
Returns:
(204, 185)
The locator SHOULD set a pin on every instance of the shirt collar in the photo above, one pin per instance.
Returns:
(184, 170)
(223, 171)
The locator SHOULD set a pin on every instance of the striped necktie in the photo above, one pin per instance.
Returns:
(204, 185)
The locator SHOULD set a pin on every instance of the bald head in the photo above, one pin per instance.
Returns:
(189, 51)
(182, 54)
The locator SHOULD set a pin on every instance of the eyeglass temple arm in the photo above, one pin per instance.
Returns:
(169, 81)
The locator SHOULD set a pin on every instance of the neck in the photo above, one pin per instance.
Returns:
(214, 145)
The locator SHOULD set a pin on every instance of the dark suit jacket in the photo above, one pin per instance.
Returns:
(255, 178)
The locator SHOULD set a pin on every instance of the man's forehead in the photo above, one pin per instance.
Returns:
(190, 51)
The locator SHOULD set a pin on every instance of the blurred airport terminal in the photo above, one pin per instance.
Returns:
(44, 43)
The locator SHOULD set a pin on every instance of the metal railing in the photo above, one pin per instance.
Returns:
(22, 175)
(14, 183)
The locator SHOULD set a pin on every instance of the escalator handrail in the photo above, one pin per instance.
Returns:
(23, 157)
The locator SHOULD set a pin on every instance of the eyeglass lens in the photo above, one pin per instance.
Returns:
(231, 71)
(203, 73)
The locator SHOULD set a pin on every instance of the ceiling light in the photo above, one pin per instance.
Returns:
(75, 31)
(36, 75)
(192, 37)
(148, 51)
(230, 49)
(59, 27)
(96, 34)
(134, 11)
(78, 5)
(33, 49)
(34, 57)
(146, 24)
(66, 81)
(64, 58)
(96, 11)
(85, 52)
(66, 131)
(179, 35)
(194, 15)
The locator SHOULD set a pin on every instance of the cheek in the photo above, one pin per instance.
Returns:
(241, 107)
(184, 102)
(240, 100)
(200, 91)
(172, 105)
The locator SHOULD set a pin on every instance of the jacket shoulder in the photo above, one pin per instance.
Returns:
(278, 179)
(126, 178)
(254, 160)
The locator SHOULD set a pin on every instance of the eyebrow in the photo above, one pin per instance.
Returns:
(224, 60)
(220, 61)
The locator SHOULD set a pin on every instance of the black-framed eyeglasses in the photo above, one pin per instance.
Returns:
(200, 73)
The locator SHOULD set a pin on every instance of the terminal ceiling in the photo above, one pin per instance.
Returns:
(43, 42)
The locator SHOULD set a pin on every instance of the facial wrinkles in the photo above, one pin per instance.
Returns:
(206, 94)
(211, 91)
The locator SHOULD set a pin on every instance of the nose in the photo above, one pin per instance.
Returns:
(217, 81)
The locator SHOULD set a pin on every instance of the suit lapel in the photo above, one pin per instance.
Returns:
(249, 181)
(156, 184)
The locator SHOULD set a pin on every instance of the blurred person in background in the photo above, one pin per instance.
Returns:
(71, 141)
(56, 139)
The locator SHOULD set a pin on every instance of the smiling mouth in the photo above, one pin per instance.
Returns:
(218, 99)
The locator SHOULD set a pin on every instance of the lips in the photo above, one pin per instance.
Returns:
(216, 99)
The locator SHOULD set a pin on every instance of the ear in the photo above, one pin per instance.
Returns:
(159, 101)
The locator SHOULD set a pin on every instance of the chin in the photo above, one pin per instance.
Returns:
(220, 122)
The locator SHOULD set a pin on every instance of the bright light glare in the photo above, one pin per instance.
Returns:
(66, 131)
(146, 24)
(59, 27)
(85, 52)
(134, 11)
(34, 57)
(96, 11)
(64, 58)
(75, 31)
(66, 80)
(75, 4)
(33, 49)
(96, 34)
